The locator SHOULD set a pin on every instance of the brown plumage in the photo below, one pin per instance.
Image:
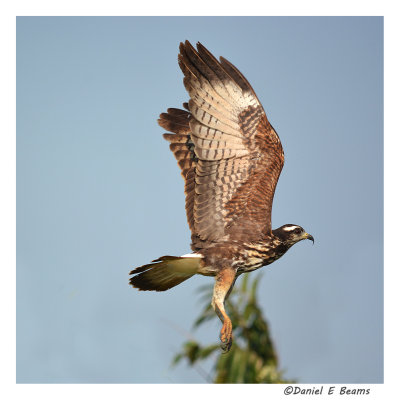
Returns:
(230, 158)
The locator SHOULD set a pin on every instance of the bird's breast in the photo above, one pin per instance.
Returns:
(244, 257)
(261, 254)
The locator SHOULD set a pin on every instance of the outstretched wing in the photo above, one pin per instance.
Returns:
(229, 154)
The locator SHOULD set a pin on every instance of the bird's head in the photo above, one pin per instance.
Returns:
(291, 234)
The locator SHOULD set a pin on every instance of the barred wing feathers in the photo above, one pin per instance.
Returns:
(229, 154)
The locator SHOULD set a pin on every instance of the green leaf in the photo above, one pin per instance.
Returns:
(206, 351)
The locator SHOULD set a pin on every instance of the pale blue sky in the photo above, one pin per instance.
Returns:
(98, 193)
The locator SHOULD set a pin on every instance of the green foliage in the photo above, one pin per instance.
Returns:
(252, 358)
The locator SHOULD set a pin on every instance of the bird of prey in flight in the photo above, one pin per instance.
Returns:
(230, 158)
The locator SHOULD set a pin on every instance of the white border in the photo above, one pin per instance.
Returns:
(204, 7)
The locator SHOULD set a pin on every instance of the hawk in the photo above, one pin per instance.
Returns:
(230, 158)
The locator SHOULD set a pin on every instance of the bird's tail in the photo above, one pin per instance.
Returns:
(164, 273)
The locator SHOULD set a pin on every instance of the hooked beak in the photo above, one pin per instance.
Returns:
(309, 237)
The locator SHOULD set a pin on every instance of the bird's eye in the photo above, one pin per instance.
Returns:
(297, 230)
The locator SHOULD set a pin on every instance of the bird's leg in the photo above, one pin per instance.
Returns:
(222, 288)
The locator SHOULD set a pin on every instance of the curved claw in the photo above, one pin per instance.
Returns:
(226, 336)
(226, 346)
